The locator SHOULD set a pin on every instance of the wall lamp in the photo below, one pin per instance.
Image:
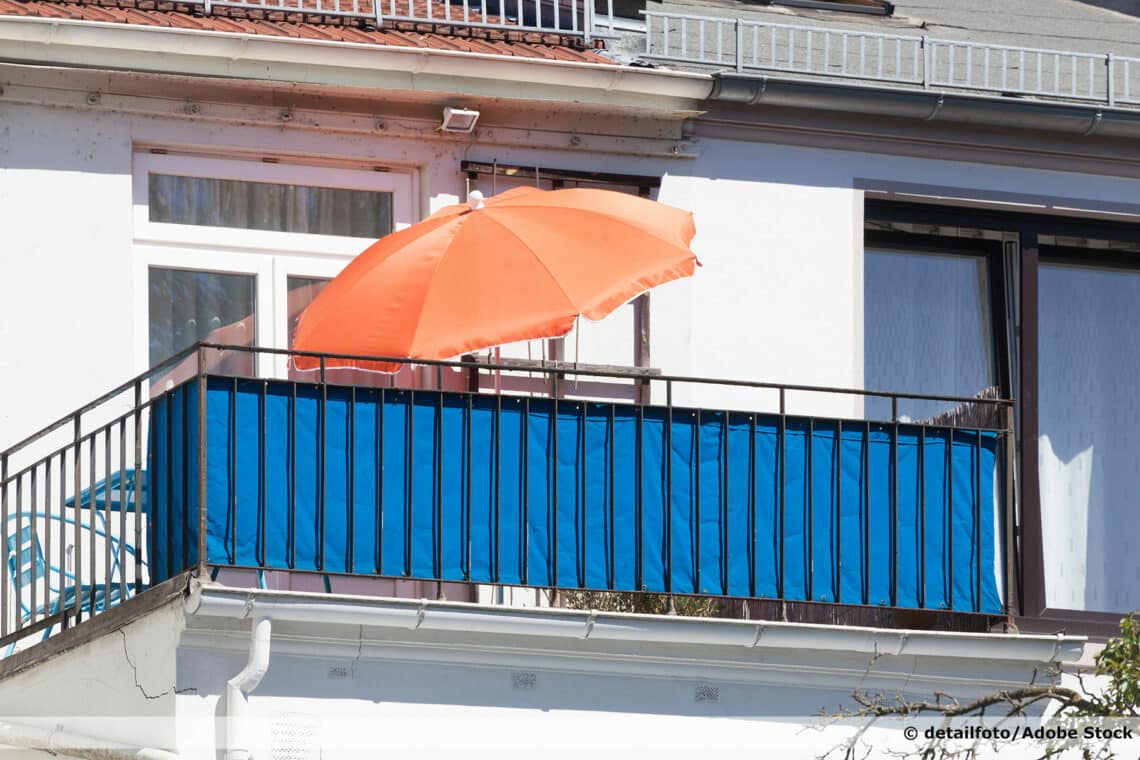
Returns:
(460, 120)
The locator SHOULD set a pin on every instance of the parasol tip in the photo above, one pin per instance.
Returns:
(475, 200)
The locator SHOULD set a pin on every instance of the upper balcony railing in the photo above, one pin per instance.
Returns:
(910, 61)
(543, 476)
(588, 19)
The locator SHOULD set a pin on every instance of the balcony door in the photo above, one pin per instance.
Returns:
(230, 251)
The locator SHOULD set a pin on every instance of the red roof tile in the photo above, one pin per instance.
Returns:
(170, 13)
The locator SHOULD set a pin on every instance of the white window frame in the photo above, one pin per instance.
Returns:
(271, 257)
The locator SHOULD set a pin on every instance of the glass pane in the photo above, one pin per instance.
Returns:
(188, 306)
(1089, 406)
(302, 291)
(268, 206)
(927, 328)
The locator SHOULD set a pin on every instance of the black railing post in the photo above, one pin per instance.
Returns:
(781, 531)
(669, 489)
(203, 571)
(1012, 595)
(76, 528)
(894, 502)
(4, 567)
(322, 469)
(137, 485)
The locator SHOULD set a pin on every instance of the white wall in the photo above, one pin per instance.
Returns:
(65, 300)
(780, 233)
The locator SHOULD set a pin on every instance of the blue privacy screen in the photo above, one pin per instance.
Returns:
(505, 489)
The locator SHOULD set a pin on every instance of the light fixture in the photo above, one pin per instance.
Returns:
(459, 120)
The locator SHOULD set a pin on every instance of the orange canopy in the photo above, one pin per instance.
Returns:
(523, 265)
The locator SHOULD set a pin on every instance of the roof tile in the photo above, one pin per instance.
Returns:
(172, 13)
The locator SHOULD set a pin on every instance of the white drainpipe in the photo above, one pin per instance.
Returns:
(237, 740)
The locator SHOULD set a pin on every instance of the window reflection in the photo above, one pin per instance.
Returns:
(189, 306)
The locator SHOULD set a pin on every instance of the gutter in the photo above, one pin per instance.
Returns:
(74, 745)
(428, 615)
(135, 47)
(927, 105)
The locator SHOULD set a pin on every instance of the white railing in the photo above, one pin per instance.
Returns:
(920, 61)
(567, 17)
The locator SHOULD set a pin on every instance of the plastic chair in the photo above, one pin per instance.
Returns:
(26, 569)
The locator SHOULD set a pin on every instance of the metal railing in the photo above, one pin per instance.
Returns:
(123, 501)
(893, 59)
(564, 17)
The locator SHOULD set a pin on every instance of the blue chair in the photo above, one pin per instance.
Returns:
(29, 572)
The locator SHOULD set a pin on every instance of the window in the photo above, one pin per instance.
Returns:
(927, 328)
(1070, 289)
(268, 206)
(230, 251)
(187, 306)
(1089, 432)
(302, 292)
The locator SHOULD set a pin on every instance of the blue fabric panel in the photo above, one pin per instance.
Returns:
(512, 491)
(395, 506)
(935, 519)
(626, 526)
(537, 472)
(483, 560)
(173, 487)
(681, 534)
(740, 504)
(880, 520)
(364, 526)
(907, 541)
(452, 528)
(157, 488)
(220, 476)
(654, 547)
(424, 502)
(567, 507)
(766, 486)
(711, 509)
(332, 493)
(455, 487)
(597, 477)
(824, 514)
(243, 539)
(795, 526)
(279, 473)
(988, 471)
(973, 535)
(852, 540)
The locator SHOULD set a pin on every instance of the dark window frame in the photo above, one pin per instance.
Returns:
(1032, 614)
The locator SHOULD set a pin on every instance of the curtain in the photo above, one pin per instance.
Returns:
(269, 206)
(1089, 406)
(927, 328)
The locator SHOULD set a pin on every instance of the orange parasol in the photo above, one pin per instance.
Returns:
(522, 265)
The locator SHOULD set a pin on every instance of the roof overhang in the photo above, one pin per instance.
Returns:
(742, 651)
(374, 68)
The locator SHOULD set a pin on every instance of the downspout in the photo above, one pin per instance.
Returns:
(237, 740)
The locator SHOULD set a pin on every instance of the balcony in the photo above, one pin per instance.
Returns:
(819, 52)
(581, 19)
(227, 459)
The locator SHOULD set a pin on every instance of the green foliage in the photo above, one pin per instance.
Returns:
(647, 604)
(1119, 661)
